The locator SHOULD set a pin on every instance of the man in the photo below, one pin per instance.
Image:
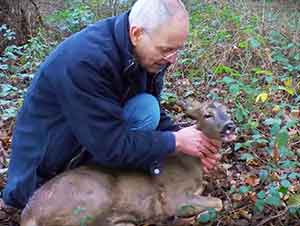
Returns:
(99, 90)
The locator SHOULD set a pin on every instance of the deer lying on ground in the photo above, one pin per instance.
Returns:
(94, 196)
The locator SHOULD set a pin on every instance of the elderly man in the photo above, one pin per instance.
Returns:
(98, 91)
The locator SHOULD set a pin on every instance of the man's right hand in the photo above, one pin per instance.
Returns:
(193, 142)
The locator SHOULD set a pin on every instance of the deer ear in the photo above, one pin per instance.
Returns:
(194, 113)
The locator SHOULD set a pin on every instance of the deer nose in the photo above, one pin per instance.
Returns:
(229, 127)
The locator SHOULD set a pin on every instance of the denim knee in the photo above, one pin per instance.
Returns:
(142, 112)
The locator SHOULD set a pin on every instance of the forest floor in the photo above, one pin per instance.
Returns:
(233, 56)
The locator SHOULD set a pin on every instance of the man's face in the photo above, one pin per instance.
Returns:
(157, 48)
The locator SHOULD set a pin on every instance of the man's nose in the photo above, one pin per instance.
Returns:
(171, 58)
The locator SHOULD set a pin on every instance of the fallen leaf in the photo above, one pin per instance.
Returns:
(295, 113)
(294, 200)
(236, 197)
(245, 214)
(177, 108)
(252, 180)
(274, 176)
(275, 154)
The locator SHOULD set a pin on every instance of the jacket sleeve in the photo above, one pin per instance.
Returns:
(95, 117)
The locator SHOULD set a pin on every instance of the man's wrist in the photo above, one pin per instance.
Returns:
(177, 142)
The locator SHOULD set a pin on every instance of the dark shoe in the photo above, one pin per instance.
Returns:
(9, 216)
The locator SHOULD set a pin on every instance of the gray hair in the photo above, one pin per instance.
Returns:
(150, 14)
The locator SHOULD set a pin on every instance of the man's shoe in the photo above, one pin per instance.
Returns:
(8, 215)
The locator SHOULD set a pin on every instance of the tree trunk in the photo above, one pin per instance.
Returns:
(21, 16)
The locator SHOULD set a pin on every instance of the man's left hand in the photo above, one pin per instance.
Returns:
(208, 159)
(210, 162)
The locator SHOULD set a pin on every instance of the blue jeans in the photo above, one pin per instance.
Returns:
(142, 112)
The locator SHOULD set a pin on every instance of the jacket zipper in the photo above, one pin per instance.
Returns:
(128, 89)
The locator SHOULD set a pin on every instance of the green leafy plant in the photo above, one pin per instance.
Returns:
(72, 19)
(209, 216)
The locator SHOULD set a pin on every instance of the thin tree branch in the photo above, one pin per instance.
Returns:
(283, 212)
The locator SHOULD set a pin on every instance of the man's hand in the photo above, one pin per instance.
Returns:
(194, 143)
(209, 162)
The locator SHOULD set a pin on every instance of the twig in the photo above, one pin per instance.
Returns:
(273, 217)
(263, 161)
(263, 18)
(232, 212)
(295, 143)
(296, 34)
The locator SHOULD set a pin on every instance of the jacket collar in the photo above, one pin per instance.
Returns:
(121, 33)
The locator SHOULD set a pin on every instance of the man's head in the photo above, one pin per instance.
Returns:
(158, 29)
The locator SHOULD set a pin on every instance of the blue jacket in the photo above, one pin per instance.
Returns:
(76, 98)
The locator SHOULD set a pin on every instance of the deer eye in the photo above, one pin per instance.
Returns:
(207, 116)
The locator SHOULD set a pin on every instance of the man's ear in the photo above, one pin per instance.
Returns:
(135, 34)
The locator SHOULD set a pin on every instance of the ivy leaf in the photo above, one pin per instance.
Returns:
(203, 218)
(289, 67)
(254, 43)
(234, 89)
(246, 156)
(186, 210)
(288, 164)
(273, 200)
(9, 112)
(275, 123)
(6, 89)
(227, 80)
(209, 216)
(290, 45)
(294, 175)
(282, 138)
(261, 195)
(297, 57)
(293, 210)
(283, 190)
(280, 58)
(244, 189)
(285, 183)
(263, 174)
(259, 205)
(78, 210)
(86, 220)
(3, 67)
(272, 121)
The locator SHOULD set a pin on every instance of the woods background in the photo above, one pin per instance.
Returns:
(243, 53)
